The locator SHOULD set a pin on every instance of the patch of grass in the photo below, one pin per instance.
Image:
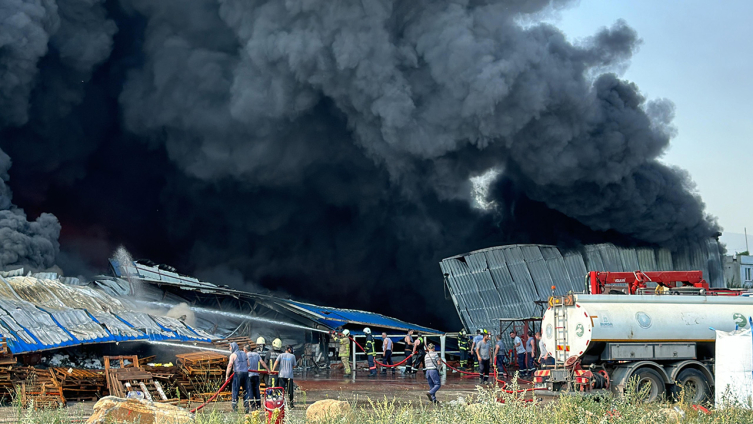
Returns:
(486, 406)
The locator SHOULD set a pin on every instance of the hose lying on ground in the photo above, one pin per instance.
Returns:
(379, 363)
(229, 379)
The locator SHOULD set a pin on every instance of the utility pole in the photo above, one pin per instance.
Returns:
(746, 240)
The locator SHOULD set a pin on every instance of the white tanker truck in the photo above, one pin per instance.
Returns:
(657, 327)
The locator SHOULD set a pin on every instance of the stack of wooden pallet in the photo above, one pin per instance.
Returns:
(80, 384)
(123, 376)
(7, 383)
(224, 344)
(6, 356)
(203, 373)
(39, 388)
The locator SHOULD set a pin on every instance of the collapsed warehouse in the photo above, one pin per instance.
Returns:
(512, 283)
(147, 326)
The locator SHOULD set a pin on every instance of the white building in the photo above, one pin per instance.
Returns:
(738, 271)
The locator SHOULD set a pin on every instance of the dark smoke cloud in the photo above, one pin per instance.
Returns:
(324, 148)
(23, 243)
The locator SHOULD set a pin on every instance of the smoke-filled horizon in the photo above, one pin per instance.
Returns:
(325, 148)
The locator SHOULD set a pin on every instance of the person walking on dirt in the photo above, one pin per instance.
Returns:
(344, 350)
(408, 340)
(287, 362)
(432, 368)
(254, 379)
(483, 353)
(238, 366)
(387, 353)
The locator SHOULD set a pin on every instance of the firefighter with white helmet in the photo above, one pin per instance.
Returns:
(260, 344)
(370, 352)
(272, 357)
(344, 341)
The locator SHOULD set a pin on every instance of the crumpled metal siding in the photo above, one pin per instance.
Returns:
(513, 298)
(522, 274)
(629, 259)
(38, 314)
(646, 259)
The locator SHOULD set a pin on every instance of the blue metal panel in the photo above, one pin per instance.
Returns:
(352, 316)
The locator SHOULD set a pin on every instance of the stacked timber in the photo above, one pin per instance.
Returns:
(39, 388)
(224, 344)
(124, 375)
(203, 373)
(80, 384)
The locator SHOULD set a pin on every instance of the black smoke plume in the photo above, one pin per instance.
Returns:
(325, 148)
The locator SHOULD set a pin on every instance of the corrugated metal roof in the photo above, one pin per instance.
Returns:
(40, 314)
(523, 274)
(334, 318)
(329, 317)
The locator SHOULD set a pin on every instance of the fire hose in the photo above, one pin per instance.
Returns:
(214, 396)
(379, 363)
(496, 372)
(229, 379)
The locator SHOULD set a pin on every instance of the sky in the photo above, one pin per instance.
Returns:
(697, 54)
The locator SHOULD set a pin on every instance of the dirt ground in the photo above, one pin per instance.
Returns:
(328, 385)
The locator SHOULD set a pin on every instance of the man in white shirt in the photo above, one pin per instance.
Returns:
(520, 350)
(387, 353)
(545, 358)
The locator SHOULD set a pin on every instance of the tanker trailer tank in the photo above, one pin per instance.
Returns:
(665, 340)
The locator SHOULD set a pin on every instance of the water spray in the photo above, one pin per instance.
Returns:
(187, 346)
(234, 315)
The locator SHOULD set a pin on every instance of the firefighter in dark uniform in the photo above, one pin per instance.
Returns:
(419, 352)
(463, 346)
(370, 352)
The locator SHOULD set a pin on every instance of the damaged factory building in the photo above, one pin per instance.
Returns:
(146, 326)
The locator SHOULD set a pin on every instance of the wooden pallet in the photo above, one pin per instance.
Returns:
(224, 344)
(204, 363)
(6, 356)
(80, 384)
(41, 389)
(122, 379)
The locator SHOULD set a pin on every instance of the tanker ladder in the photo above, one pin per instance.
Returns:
(560, 372)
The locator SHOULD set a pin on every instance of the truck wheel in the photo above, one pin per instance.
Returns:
(695, 385)
(651, 378)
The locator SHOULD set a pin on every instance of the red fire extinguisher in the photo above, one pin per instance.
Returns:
(274, 404)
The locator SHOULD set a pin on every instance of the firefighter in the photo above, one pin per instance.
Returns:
(408, 340)
(272, 356)
(370, 352)
(260, 345)
(419, 352)
(344, 341)
(463, 346)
